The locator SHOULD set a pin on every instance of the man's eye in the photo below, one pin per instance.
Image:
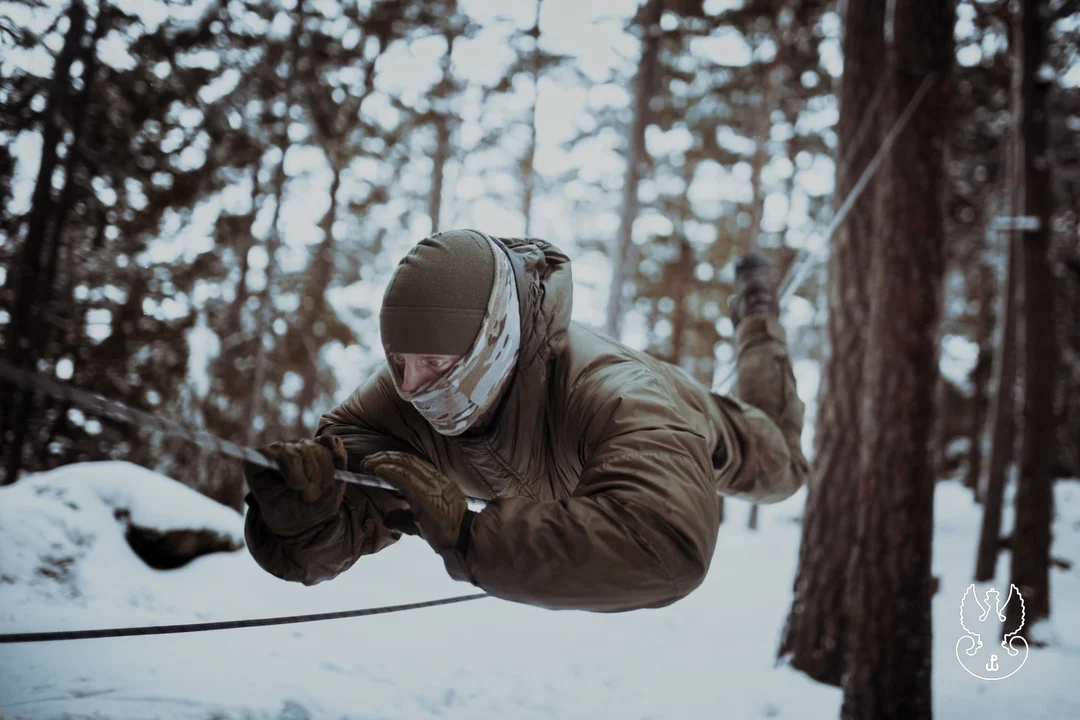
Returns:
(396, 359)
(437, 364)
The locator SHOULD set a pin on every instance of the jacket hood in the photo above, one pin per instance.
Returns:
(545, 295)
(545, 299)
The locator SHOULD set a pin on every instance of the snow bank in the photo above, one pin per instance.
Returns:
(152, 500)
(64, 531)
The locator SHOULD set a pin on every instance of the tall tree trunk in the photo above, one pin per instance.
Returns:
(889, 639)
(314, 299)
(646, 81)
(263, 325)
(528, 163)
(980, 374)
(22, 341)
(757, 203)
(683, 275)
(815, 636)
(1030, 567)
(48, 298)
(1067, 309)
(442, 131)
(442, 152)
(234, 325)
(1002, 430)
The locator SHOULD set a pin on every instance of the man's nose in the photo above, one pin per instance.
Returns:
(411, 377)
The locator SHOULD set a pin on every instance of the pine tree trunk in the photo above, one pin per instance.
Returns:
(22, 341)
(889, 640)
(757, 203)
(528, 164)
(1067, 308)
(234, 324)
(442, 136)
(684, 275)
(264, 323)
(47, 297)
(263, 326)
(442, 152)
(647, 75)
(816, 630)
(314, 299)
(939, 433)
(1030, 567)
(980, 374)
(1002, 429)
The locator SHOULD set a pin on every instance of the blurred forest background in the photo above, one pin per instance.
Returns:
(200, 203)
(206, 197)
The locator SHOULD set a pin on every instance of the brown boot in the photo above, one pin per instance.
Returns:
(755, 289)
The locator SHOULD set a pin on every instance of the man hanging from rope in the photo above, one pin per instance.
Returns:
(601, 465)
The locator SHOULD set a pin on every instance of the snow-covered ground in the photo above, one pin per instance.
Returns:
(64, 564)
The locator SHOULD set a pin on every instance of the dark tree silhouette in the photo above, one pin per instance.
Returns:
(888, 663)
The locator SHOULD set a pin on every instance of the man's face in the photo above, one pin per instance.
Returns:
(419, 370)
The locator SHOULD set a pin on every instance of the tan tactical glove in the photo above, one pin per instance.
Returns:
(438, 509)
(302, 493)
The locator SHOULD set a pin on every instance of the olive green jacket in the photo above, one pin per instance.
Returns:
(602, 468)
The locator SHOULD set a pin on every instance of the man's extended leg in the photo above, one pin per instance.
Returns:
(766, 412)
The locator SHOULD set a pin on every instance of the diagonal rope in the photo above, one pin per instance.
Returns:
(31, 637)
(864, 179)
(861, 133)
(800, 271)
(103, 407)
(864, 127)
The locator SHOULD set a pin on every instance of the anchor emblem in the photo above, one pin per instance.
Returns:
(993, 666)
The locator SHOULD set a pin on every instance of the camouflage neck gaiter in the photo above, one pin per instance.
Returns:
(456, 401)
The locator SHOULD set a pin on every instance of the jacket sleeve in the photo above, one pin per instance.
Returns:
(365, 423)
(641, 528)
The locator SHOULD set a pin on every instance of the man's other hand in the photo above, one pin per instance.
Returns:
(437, 505)
(302, 493)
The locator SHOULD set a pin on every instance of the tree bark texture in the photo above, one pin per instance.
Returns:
(442, 137)
(888, 668)
(1067, 309)
(1002, 429)
(266, 300)
(314, 308)
(980, 374)
(22, 343)
(816, 629)
(647, 75)
(442, 153)
(528, 163)
(1030, 567)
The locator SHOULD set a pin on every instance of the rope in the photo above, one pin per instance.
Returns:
(106, 408)
(800, 270)
(225, 625)
(119, 412)
(861, 132)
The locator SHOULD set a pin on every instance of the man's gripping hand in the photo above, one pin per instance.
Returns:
(302, 493)
(438, 509)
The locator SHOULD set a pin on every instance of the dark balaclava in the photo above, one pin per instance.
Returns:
(454, 294)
